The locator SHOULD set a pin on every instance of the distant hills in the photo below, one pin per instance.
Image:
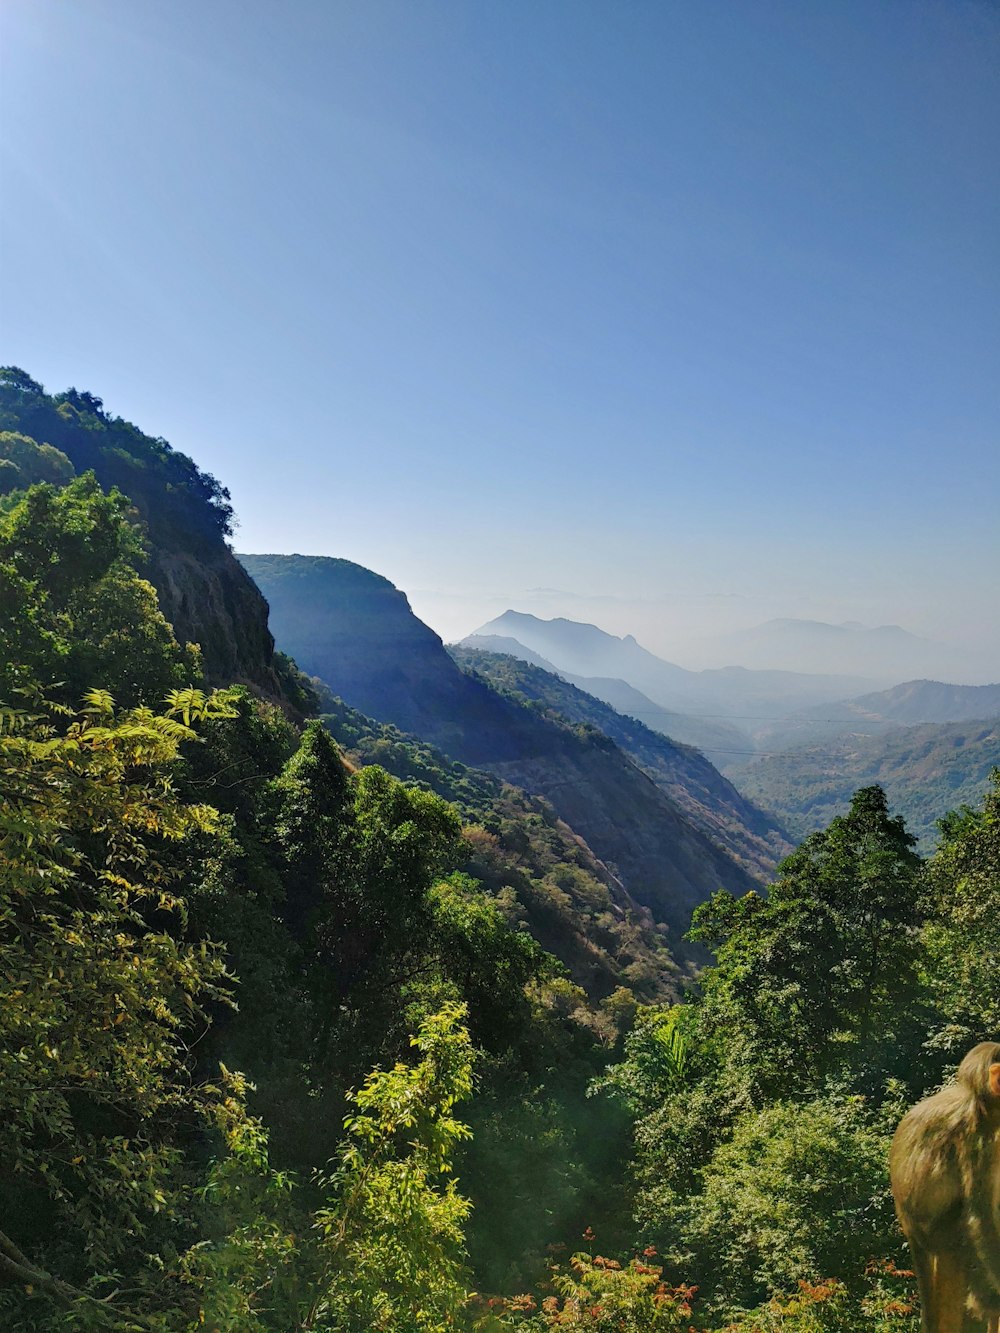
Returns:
(926, 771)
(884, 652)
(930, 744)
(497, 643)
(722, 741)
(913, 702)
(924, 701)
(356, 632)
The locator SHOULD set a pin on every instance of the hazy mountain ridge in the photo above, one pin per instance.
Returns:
(498, 643)
(911, 703)
(885, 652)
(927, 701)
(712, 802)
(356, 632)
(733, 694)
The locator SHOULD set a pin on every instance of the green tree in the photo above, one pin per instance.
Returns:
(100, 995)
(384, 1251)
(822, 976)
(31, 462)
(73, 609)
(797, 1191)
(963, 938)
(313, 816)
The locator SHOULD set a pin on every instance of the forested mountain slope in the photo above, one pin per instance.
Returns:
(204, 592)
(167, 853)
(925, 770)
(688, 778)
(356, 632)
(217, 935)
(499, 643)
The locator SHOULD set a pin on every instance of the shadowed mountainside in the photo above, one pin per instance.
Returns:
(719, 739)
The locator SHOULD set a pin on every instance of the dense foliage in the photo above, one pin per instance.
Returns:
(149, 857)
(541, 875)
(172, 495)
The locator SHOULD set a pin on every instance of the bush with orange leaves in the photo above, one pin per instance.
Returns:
(888, 1306)
(600, 1295)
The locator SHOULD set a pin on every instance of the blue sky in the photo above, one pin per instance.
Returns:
(684, 313)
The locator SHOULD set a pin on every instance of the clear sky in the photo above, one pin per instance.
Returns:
(685, 312)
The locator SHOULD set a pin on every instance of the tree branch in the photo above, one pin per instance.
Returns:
(15, 1265)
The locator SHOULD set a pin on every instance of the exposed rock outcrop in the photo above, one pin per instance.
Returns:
(211, 600)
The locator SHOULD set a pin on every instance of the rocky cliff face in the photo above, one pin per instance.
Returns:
(185, 516)
(210, 600)
(356, 632)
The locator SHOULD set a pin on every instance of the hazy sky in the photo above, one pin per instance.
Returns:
(686, 311)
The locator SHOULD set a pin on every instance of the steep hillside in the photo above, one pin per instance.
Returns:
(925, 770)
(356, 632)
(736, 693)
(203, 591)
(718, 739)
(711, 801)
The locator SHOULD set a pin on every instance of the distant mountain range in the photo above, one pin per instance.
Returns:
(682, 771)
(356, 632)
(739, 696)
(885, 653)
